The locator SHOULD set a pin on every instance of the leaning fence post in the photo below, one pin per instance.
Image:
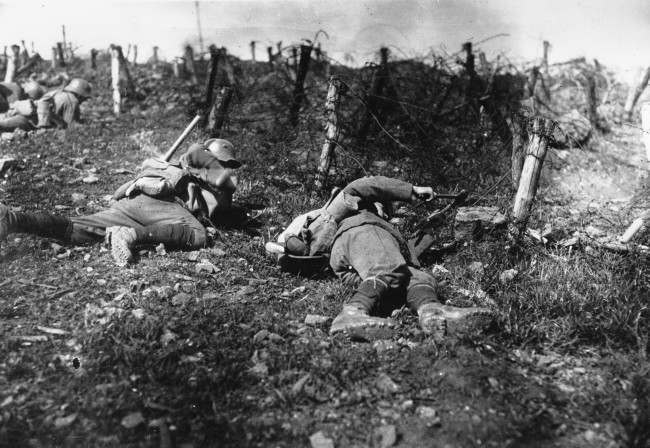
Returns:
(115, 79)
(189, 64)
(299, 89)
(12, 63)
(332, 130)
(538, 139)
(209, 88)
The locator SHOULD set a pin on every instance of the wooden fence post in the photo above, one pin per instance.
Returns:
(93, 59)
(517, 126)
(54, 58)
(12, 63)
(269, 51)
(154, 57)
(332, 130)
(209, 88)
(130, 85)
(294, 58)
(371, 100)
(592, 103)
(220, 111)
(252, 50)
(299, 88)
(115, 79)
(484, 65)
(135, 55)
(635, 94)
(189, 64)
(470, 59)
(540, 133)
(61, 55)
(318, 52)
(546, 44)
(177, 67)
(24, 54)
(64, 45)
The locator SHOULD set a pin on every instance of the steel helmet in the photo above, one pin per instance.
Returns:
(79, 86)
(223, 150)
(33, 90)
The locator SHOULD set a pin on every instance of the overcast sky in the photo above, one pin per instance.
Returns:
(615, 32)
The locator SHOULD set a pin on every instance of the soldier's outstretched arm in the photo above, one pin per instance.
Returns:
(383, 189)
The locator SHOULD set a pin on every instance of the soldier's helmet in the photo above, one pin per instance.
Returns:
(224, 151)
(33, 90)
(79, 86)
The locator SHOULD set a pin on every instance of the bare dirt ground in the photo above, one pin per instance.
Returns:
(166, 353)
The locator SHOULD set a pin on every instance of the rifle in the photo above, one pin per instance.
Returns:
(457, 199)
(421, 240)
(181, 138)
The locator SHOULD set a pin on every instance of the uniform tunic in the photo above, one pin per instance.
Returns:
(142, 210)
(367, 245)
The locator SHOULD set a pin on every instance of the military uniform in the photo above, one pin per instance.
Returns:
(58, 108)
(362, 243)
(164, 204)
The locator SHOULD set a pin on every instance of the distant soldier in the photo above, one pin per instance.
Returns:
(352, 230)
(167, 203)
(58, 108)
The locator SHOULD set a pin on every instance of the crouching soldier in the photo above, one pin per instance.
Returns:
(353, 231)
(166, 203)
(58, 108)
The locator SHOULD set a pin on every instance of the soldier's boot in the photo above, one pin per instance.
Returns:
(356, 313)
(41, 224)
(121, 240)
(352, 317)
(440, 320)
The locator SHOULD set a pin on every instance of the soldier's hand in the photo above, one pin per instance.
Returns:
(425, 193)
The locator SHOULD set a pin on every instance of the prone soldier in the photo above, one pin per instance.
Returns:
(166, 203)
(353, 232)
(58, 108)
